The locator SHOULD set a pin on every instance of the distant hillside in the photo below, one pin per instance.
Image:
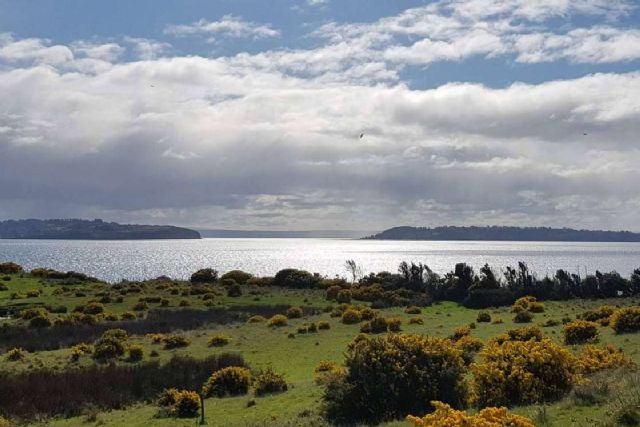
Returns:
(505, 233)
(79, 229)
(326, 234)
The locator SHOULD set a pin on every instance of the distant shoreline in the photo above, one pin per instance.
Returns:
(506, 234)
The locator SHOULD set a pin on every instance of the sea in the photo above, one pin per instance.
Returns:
(114, 261)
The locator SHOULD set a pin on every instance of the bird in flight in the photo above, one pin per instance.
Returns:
(584, 134)
(361, 135)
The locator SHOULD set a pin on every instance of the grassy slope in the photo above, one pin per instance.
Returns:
(265, 347)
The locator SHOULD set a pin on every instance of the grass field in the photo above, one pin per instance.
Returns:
(285, 350)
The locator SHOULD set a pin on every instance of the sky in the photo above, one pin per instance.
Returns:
(243, 114)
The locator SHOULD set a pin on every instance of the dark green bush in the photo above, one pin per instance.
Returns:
(231, 381)
(269, 382)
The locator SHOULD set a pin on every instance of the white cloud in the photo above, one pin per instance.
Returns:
(227, 26)
(33, 49)
(147, 49)
(108, 52)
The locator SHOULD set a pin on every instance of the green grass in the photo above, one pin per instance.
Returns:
(264, 347)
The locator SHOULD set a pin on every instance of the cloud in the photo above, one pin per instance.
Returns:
(227, 26)
(32, 50)
(147, 49)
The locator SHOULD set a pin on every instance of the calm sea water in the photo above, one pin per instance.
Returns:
(115, 260)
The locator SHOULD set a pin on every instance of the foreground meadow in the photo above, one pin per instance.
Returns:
(283, 332)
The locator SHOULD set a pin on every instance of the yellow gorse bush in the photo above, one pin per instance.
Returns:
(594, 359)
(580, 331)
(445, 416)
(523, 372)
(626, 320)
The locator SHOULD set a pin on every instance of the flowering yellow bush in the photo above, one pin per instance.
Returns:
(180, 403)
(325, 370)
(594, 359)
(324, 325)
(580, 332)
(445, 416)
(525, 333)
(277, 320)
(523, 304)
(602, 312)
(257, 319)
(15, 354)
(522, 372)
(219, 340)
(351, 316)
(294, 312)
(394, 324)
(460, 332)
(5, 422)
(626, 320)
(231, 381)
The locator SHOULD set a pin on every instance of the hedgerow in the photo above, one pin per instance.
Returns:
(394, 376)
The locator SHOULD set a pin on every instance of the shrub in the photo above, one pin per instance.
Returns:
(550, 323)
(156, 338)
(312, 328)
(332, 292)
(299, 279)
(15, 354)
(594, 359)
(416, 321)
(140, 306)
(325, 370)
(626, 320)
(93, 308)
(234, 290)
(219, 340)
(269, 382)
(184, 303)
(497, 321)
(367, 313)
(344, 296)
(205, 275)
(176, 341)
(602, 312)
(523, 317)
(522, 372)
(324, 325)
(525, 333)
(257, 319)
(30, 313)
(445, 416)
(485, 298)
(180, 403)
(413, 310)
(277, 320)
(483, 317)
(580, 332)
(117, 333)
(394, 324)
(230, 381)
(351, 316)
(10, 268)
(536, 307)
(294, 312)
(421, 369)
(523, 304)
(460, 332)
(40, 322)
(33, 293)
(238, 276)
(128, 315)
(5, 422)
(136, 352)
(108, 347)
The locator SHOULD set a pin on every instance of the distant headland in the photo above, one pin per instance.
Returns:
(80, 229)
(540, 234)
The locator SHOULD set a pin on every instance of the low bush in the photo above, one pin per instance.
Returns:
(523, 316)
(344, 296)
(234, 290)
(597, 314)
(5, 422)
(625, 320)
(593, 359)
(580, 332)
(421, 369)
(416, 321)
(460, 332)
(136, 352)
(205, 275)
(140, 306)
(40, 322)
(294, 312)
(269, 382)
(351, 316)
(231, 381)
(30, 313)
(238, 276)
(522, 373)
(219, 340)
(10, 268)
(15, 354)
(324, 325)
(277, 320)
(93, 308)
(367, 313)
(179, 403)
(325, 370)
(394, 324)
(257, 319)
(108, 347)
(413, 310)
(176, 341)
(483, 317)
(445, 416)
